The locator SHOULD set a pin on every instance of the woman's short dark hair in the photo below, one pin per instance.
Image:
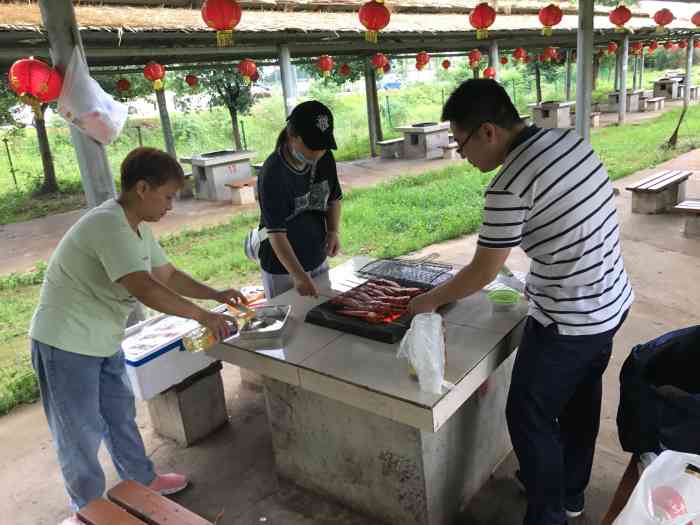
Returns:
(152, 165)
(477, 101)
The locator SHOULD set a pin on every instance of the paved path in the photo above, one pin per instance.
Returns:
(233, 470)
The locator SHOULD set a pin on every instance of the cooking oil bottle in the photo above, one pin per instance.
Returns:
(199, 339)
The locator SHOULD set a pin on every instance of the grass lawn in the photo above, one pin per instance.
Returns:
(391, 219)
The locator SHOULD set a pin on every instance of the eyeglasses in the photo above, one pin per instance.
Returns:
(461, 145)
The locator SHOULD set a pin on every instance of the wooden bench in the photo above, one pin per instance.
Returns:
(691, 209)
(653, 103)
(659, 192)
(390, 149)
(133, 504)
(243, 191)
(450, 151)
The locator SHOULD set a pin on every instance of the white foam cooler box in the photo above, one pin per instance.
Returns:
(155, 364)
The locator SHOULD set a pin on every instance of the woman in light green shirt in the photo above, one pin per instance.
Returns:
(106, 263)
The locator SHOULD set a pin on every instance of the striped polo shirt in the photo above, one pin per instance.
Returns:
(553, 198)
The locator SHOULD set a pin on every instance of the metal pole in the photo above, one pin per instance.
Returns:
(568, 74)
(622, 98)
(165, 122)
(584, 69)
(59, 21)
(245, 142)
(641, 71)
(371, 120)
(617, 68)
(688, 72)
(375, 104)
(635, 72)
(493, 59)
(138, 132)
(9, 160)
(538, 82)
(289, 91)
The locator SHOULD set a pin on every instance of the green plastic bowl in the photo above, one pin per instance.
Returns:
(504, 298)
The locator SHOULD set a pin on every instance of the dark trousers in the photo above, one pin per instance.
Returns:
(553, 415)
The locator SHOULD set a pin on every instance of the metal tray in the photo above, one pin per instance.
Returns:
(259, 329)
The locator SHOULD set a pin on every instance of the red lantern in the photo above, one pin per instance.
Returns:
(325, 64)
(637, 48)
(155, 73)
(446, 64)
(550, 54)
(192, 80)
(612, 48)
(223, 16)
(527, 59)
(374, 16)
(668, 46)
(345, 70)
(653, 46)
(490, 72)
(663, 17)
(256, 76)
(386, 68)
(519, 54)
(123, 85)
(504, 60)
(697, 44)
(474, 56)
(35, 82)
(481, 18)
(620, 16)
(422, 58)
(696, 19)
(379, 61)
(683, 44)
(247, 69)
(549, 17)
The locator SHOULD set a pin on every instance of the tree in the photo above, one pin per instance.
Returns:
(357, 69)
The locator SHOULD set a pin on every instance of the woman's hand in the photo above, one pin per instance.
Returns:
(332, 244)
(422, 304)
(305, 285)
(230, 296)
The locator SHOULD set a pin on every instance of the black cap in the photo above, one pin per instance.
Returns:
(313, 122)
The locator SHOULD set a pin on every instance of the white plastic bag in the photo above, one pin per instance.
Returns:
(424, 347)
(83, 103)
(668, 492)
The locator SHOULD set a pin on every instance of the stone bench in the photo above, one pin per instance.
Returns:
(450, 151)
(187, 190)
(691, 209)
(595, 119)
(659, 192)
(243, 191)
(390, 149)
(653, 103)
(130, 503)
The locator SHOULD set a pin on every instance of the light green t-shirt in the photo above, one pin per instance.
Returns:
(82, 308)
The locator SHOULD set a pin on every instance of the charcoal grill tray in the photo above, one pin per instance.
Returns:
(414, 274)
(325, 315)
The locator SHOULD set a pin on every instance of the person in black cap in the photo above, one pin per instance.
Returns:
(300, 198)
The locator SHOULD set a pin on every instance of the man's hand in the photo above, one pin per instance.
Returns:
(222, 326)
(230, 296)
(305, 285)
(332, 244)
(423, 304)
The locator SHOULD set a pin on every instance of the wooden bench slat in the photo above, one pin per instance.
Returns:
(151, 507)
(103, 512)
(648, 179)
(389, 142)
(689, 206)
(660, 181)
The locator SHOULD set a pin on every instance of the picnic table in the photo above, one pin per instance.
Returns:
(425, 140)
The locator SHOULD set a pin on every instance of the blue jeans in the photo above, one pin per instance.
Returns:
(88, 399)
(553, 415)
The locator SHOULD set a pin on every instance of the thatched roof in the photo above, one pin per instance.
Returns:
(133, 35)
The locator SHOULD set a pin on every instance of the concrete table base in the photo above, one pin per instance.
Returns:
(391, 471)
(192, 409)
(659, 202)
(692, 226)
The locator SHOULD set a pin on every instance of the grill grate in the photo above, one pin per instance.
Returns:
(415, 273)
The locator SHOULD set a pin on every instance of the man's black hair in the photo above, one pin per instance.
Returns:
(478, 101)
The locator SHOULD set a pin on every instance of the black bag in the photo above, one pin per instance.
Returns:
(660, 394)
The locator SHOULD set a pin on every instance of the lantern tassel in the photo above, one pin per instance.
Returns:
(32, 103)
(660, 29)
(372, 36)
(158, 85)
(224, 38)
(547, 31)
(482, 34)
(246, 80)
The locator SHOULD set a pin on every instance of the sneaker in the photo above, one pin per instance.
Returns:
(166, 484)
(571, 514)
(72, 520)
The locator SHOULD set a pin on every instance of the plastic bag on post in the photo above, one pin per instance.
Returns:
(668, 492)
(424, 347)
(84, 104)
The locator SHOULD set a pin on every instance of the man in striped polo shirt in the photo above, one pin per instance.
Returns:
(551, 197)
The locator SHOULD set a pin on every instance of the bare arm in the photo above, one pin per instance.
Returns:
(333, 216)
(181, 283)
(483, 269)
(285, 253)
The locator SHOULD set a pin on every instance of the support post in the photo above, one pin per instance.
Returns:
(165, 123)
(584, 69)
(289, 94)
(59, 21)
(635, 73)
(568, 74)
(641, 71)
(370, 96)
(688, 72)
(377, 110)
(494, 62)
(617, 68)
(538, 82)
(622, 92)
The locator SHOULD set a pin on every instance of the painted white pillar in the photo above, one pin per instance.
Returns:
(584, 69)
